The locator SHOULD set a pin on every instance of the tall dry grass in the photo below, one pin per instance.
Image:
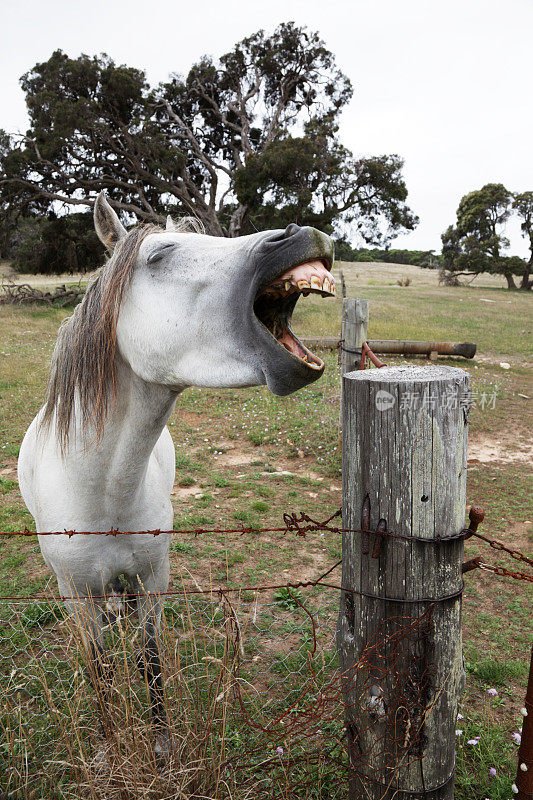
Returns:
(106, 747)
(243, 691)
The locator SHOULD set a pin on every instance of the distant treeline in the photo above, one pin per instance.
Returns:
(52, 244)
(418, 258)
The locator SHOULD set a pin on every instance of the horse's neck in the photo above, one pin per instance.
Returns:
(135, 420)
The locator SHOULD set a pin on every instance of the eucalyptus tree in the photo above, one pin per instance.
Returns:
(477, 242)
(523, 207)
(242, 142)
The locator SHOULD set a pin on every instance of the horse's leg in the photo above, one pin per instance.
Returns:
(148, 659)
(115, 606)
(89, 617)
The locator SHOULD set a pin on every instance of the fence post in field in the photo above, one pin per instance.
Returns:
(404, 471)
(353, 332)
(343, 283)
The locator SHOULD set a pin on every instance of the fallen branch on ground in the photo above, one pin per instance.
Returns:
(23, 294)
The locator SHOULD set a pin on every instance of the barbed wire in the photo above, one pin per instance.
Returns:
(301, 525)
(506, 573)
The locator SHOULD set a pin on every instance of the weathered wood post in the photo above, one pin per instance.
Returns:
(524, 775)
(404, 471)
(343, 283)
(353, 332)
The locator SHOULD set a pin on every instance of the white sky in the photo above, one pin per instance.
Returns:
(446, 84)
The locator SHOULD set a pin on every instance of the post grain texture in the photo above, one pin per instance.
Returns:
(353, 332)
(404, 466)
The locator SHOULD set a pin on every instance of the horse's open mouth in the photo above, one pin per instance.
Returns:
(275, 303)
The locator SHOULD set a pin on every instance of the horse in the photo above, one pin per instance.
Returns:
(170, 309)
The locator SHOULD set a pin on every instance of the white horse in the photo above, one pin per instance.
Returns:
(170, 309)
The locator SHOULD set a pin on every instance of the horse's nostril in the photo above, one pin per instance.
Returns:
(291, 229)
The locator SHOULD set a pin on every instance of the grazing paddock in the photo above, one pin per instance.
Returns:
(245, 456)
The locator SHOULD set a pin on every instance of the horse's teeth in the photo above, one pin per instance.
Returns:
(303, 285)
(316, 282)
(288, 285)
(326, 285)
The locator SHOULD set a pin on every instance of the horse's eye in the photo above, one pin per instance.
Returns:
(159, 253)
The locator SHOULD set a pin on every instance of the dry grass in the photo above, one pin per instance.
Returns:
(225, 708)
(106, 747)
(496, 319)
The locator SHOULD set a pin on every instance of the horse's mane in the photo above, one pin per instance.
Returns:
(83, 363)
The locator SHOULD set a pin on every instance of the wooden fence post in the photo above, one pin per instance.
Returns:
(353, 332)
(404, 470)
(343, 283)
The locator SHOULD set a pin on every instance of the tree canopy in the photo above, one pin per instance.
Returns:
(523, 207)
(476, 242)
(245, 142)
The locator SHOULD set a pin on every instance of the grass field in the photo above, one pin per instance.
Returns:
(246, 457)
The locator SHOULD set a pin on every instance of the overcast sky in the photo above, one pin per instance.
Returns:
(446, 84)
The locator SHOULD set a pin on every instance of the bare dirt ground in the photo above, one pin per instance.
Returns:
(487, 450)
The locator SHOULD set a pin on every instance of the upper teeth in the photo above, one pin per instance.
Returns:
(312, 283)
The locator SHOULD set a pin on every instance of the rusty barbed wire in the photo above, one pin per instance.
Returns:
(516, 554)
(292, 721)
(300, 524)
(506, 573)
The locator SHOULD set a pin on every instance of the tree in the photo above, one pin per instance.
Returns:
(523, 205)
(56, 244)
(8, 214)
(285, 183)
(475, 244)
(248, 141)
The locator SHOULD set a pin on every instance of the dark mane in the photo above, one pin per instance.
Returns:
(83, 362)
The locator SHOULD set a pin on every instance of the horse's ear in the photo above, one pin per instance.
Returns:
(108, 226)
(170, 224)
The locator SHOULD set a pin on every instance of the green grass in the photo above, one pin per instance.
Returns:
(289, 599)
(7, 485)
(186, 480)
(430, 313)
(493, 672)
(260, 505)
(181, 547)
(495, 749)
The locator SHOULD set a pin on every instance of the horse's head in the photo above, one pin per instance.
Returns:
(202, 310)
